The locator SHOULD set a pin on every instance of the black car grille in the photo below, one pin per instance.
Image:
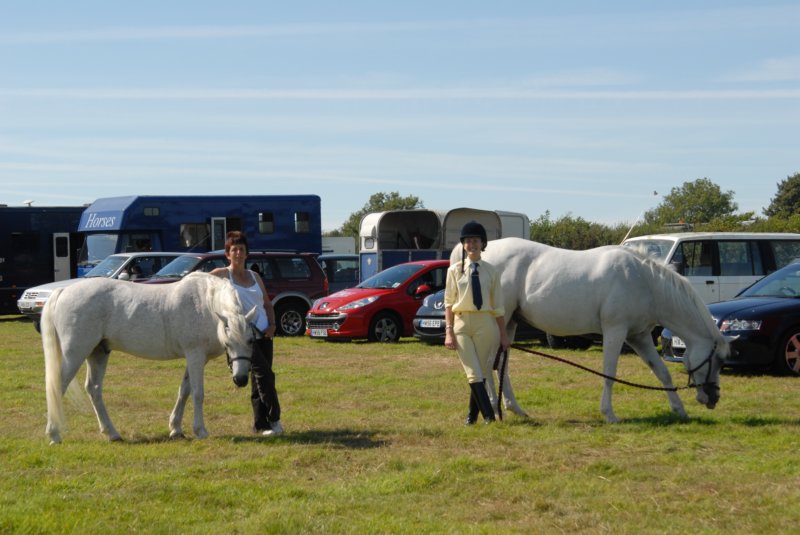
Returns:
(325, 322)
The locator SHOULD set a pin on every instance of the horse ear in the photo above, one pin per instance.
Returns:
(251, 316)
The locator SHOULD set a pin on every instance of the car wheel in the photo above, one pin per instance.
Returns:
(385, 327)
(291, 319)
(787, 354)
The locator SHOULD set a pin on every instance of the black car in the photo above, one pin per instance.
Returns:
(763, 322)
(429, 321)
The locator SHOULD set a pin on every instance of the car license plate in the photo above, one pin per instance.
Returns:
(430, 324)
(678, 343)
(25, 305)
(321, 333)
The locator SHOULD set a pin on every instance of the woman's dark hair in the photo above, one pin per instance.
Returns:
(235, 237)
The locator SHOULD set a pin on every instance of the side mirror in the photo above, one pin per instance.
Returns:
(422, 290)
(124, 276)
(677, 267)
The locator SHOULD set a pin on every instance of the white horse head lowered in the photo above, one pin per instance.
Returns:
(614, 292)
(197, 318)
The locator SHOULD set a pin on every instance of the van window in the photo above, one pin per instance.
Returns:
(737, 258)
(697, 258)
(785, 251)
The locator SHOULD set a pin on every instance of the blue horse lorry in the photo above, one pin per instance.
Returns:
(39, 245)
(198, 224)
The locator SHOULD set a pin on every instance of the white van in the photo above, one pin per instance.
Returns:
(720, 264)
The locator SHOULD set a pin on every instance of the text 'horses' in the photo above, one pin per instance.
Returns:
(197, 318)
(614, 292)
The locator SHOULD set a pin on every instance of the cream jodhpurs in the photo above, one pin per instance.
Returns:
(477, 340)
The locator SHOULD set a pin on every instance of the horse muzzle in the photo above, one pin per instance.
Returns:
(239, 375)
(708, 394)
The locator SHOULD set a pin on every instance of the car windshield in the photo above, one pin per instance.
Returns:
(391, 277)
(655, 249)
(107, 267)
(783, 283)
(178, 268)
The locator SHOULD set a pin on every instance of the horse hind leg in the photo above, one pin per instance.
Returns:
(643, 345)
(96, 366)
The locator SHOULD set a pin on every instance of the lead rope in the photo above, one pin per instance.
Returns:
(617, 379)
(501, 372)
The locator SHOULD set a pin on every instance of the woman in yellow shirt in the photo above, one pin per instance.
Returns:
(474, 317)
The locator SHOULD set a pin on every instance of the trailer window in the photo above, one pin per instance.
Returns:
(302, 222)
(195, 235)
(266, 223)
(136, 243)
(62, 247)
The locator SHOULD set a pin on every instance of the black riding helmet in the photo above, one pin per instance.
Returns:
(471, 229)
(474, 229)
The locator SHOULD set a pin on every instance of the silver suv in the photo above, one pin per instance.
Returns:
(122, 266)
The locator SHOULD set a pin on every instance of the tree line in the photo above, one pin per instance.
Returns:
(698, 205)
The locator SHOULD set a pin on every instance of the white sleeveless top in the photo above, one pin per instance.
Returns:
(252, 296)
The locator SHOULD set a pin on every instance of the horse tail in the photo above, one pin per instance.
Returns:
(52, 366)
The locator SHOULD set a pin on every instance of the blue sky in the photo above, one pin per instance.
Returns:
(580, 108)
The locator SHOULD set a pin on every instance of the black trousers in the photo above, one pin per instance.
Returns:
(263, 395)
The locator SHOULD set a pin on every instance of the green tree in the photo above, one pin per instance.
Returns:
(568, 232)
(786, 201)
(695, 202)
(378, 202)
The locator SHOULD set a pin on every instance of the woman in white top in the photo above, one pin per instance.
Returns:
(252, 293)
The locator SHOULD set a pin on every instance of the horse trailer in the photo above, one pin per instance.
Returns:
(396, 236)
(37, 245)
(198, 224)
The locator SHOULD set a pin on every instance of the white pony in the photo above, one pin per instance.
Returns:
(198, 318)
(610, 291)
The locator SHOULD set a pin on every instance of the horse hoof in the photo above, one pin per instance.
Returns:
(174, 435)
(115, 438)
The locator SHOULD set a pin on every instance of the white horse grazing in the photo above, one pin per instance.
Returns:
(198, 318)
(610, 291)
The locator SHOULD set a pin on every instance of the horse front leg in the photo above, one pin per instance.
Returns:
(176, 418)
(643, 345)
(195, 366)
(96, 366)
(612, 346)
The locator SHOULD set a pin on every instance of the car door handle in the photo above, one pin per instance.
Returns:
(710, 282)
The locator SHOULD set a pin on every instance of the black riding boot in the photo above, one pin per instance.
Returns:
(472, 415)
(482, 398)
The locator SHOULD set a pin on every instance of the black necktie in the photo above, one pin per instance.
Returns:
(477, 298)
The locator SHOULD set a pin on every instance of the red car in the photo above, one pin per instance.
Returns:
(381, 308)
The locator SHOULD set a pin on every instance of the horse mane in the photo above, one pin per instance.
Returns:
(674, 290)
(219, 294)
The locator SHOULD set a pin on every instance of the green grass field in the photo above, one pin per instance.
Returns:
(375, 444)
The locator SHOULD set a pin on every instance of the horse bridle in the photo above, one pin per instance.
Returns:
(708, 360)
(256, 335)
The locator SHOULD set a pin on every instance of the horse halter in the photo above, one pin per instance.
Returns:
(256, 335)
(708, 360)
